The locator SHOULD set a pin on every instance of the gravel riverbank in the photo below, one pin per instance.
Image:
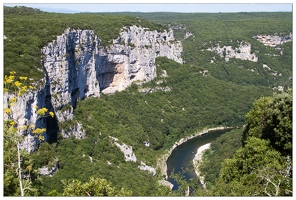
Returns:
(197, 162)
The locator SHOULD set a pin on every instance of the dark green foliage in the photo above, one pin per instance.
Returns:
(263, 166)
(223, 147)
(21, 10)
(44, 156)
(256, 169)
(80, 159)
(271, 119)
(95, 187)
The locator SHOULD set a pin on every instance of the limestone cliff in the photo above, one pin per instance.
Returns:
(77, 66)
(242, 52)
(273, 40)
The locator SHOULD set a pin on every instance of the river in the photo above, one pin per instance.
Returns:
(182, 155)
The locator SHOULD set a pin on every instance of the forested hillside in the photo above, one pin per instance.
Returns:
(205, 91)
(263, 165)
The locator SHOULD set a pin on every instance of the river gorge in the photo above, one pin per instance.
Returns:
(182, 153)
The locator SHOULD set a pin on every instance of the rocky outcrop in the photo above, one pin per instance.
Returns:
(76, 66)
(24, 114)
(150, 90)
(76, 130)
(166, 183)
(273, 40)
(49, 171)
(129, 155)
(271, 71)
(150, 169)
(126, 150)
(242, 52)
(188, 34)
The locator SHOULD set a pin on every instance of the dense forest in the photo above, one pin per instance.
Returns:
(262, 162)
(251, 160)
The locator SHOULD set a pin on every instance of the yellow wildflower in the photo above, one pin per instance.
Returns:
(23, 78)
(9, 79)
(12, 129)
(31, 87)
(12, 101)
(24, 127)
(41, 138)
(5, 89)
(42, 111)
(39, 131)
(22, 90)
(7, 111)
(32, 126)
(17, 84)
(51, 114)
(20, 93)
(12, 123)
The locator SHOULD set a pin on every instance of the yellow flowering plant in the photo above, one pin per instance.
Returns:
(13, 131)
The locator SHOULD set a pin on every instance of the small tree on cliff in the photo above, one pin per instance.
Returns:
(17, 167)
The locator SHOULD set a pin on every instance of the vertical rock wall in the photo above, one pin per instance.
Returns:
(77, 66)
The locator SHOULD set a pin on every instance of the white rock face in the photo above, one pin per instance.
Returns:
(150, 169)
(273, 40)
(166, 183)
(23, 113)
(49, 170)
(126, 149)
(69, 62)
(77, 67)
(129, 155)
(243, 52)
(77, 131)
(187, 35)
(265, 66)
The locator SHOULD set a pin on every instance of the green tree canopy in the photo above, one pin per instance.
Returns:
(95, 187)
(271, 119)
(255, 170)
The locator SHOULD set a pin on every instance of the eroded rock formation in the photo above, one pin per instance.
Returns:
(77, 66)
(242, 52)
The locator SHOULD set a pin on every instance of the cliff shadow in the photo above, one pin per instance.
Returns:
(51, 123)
